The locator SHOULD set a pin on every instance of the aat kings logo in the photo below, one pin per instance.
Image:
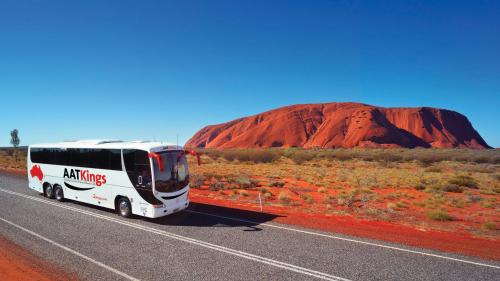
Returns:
(36, 172)
(85, 176)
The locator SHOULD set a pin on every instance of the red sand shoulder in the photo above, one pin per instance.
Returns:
(18, 264)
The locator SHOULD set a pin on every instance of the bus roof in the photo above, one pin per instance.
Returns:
(109, 143)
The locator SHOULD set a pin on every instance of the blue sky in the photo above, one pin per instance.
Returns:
(136, 70)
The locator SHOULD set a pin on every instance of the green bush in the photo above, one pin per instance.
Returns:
(495, 159)
(489, 225)
(301, 157)
(437, 216)
(464, 180)
(343, 156)
(419, 186)
(479, 159)
(433, 170)
(455, 188)
(307, 197)
(263, 156)
(230, 155)
(368, 158)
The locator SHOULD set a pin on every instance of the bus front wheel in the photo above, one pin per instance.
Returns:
(58, 192)
(124, 207)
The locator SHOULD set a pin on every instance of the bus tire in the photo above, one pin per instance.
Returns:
(124, 207)
(49, 191)
(58, 193)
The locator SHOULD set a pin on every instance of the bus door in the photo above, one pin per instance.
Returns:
(138, 166)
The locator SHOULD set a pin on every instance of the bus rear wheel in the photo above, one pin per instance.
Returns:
(49, 191)
(124, 207)
(58, 193)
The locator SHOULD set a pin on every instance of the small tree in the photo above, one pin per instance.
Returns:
(15, 142)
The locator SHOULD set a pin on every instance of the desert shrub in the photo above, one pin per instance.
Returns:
(408, 158)
(214, 154)
(419, 186)
(489, 225)
(216, 185)
(230, 155)
(263, 156)
(418, 204)
(433, 170)
(343, 156)
(301, 157)
(307, 197)
(368, 158)
(267, 195)
(322, 190)
(495, 159)
(244, 183)
(437, 216)
(244, 193)
(328, 197)
(276, 184)
(263, 190)
(487, 204)
(484, 171)
(460, 158)
(455, 188)
(243, 156)
(385, 158)
(464, 180)
(479, 159)
(283, 197)
(426, 160)
(460, 204)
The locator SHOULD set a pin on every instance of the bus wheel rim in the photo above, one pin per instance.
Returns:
(123, 207)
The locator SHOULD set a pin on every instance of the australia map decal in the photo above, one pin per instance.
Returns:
(36, 172)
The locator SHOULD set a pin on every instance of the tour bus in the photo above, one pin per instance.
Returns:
(144, 178)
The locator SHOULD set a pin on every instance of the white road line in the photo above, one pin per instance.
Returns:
(347, 239)
(245, 255)
(72, 251)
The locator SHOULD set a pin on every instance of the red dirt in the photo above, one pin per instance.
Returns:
(346, 125)
(18, 264)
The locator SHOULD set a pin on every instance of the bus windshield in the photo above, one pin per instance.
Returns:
(175, 175)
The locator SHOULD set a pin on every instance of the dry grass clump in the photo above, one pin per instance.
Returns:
(283, 197)
(307, 197)
(301, 157)
(267, 195)
(464, 180)
(244, 193)
(487, 204)
(489, 225)
(437, 216)
(276, 184)
(433, 170)
(263, 190)
(322, 190)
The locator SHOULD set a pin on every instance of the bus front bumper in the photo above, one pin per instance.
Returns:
(160, 212)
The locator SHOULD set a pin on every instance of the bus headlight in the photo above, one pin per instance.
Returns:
(160, 206)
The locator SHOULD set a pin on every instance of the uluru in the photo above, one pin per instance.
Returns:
(343, 125)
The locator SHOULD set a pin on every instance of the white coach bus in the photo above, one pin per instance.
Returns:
(149, 179)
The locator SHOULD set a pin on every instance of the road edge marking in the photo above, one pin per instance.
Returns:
(349, 240)
(72, 251)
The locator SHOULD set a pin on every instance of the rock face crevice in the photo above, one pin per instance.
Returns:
(346, 125)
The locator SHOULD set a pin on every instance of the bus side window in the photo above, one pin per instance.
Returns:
(115, 160)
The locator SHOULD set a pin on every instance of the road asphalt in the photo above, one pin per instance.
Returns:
(197, 244)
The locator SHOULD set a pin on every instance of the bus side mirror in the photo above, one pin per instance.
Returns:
(191, 152)
(160, 160)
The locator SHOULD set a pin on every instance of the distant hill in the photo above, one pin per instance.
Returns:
(343, 125)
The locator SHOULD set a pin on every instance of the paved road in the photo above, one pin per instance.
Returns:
(192, 245)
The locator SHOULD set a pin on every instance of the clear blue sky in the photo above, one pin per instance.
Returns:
(136, 70)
